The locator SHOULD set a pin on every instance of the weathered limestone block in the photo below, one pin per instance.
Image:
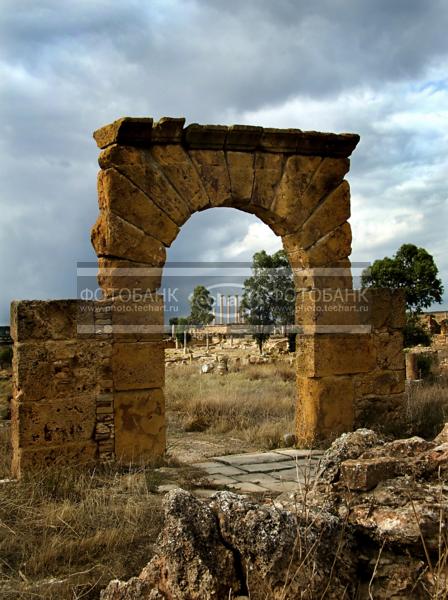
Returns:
(138, 319)
(243, 137)
(335, 276)
(205, 136)
(56, 370)
(327, 177)
(241, 172)
(333, 310)
(113, 236)
(379, 411)
(127, 130)
(268, 173)
(53, 319)
(333, 247)
(326, 144)
(115, 275)
(364, 475)
(26, 460)
(181, 173)
(297, 176)
(279, 140)
(119, 195)
(139, 425)
(332, 212)
(389, 350)
(138, 365)
(53, 423)
(167, 130)
(138, 165)
(380, 382)
(212, 168)
(412, 370)
(334, 354)
(325, 407)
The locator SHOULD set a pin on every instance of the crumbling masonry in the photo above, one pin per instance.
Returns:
(89, 376)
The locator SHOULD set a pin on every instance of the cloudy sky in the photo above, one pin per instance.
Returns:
(375, 67)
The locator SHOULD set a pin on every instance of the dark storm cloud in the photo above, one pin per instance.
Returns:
(68, 67)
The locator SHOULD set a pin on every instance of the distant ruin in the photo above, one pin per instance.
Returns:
(89, 376)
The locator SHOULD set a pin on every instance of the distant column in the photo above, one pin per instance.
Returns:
(228, 309)
(237, 311)
(221, 301)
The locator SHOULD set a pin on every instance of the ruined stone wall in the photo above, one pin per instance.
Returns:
(379, 392)
(62, 406)
(350, 360)
(88, 381)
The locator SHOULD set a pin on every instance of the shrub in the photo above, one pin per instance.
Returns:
(6, 356)
(414, 333)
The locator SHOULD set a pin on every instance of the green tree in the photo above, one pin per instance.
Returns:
(181, 327)
(269, 295)
(414, 334)
(412, 269)
(201, 306)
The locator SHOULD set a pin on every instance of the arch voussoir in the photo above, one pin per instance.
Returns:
(138, 165)
(180, 171)
(297, 176)
(332, 212)
(116, 193)
(212, 168)
(112, 236)
(268, 171)
(241, 167)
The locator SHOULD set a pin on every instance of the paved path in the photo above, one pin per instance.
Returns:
(275, 471)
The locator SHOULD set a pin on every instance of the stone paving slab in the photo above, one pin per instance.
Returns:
(281, 470)
(220, 469)
(220, 480)
(268, 467)
(291, 474)
(247, 487)
(296, 453)
(250, 458)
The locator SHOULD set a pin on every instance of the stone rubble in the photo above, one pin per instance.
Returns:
(377, 530)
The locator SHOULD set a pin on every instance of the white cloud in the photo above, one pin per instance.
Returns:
(258, 236)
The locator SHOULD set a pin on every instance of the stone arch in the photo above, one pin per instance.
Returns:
(88, 376)
(154, 176)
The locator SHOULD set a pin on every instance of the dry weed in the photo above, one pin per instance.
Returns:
(256, 403)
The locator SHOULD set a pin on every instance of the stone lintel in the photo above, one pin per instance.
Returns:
(243, 137)
(167, 130)
(132, 131)
(205, 136)
(246, 138)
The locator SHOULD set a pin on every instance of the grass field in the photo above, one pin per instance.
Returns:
(256, 403)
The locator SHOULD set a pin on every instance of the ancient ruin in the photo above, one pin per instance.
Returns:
(89, 376)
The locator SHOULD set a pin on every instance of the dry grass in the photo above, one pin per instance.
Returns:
(64, 533)
(5, 393)
(426, 408)
(256, 404)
